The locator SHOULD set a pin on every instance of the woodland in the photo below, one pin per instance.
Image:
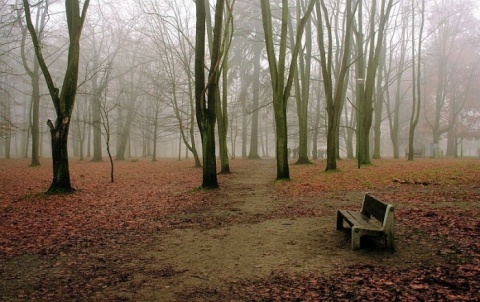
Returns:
(225, 79)
(161, 150)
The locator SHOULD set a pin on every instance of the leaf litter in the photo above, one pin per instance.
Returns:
(152, 235)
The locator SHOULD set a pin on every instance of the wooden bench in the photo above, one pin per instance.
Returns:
(364, 224)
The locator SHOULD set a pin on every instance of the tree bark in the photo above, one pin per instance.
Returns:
(59, 137)
(124, 134)
(35, 117)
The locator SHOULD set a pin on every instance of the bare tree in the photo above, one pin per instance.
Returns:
(397, 66)
(34, 73)
(451, 37)
(416, 75)
(281, 87)
(302, 87)
(205, 98)
(334, 91)
(63, 100)
(222, 100)
(367, 78)
(171, 35)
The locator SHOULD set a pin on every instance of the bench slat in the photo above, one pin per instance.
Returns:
(372, 206)
(357, 219)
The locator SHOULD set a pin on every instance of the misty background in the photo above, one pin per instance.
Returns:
(136, 85)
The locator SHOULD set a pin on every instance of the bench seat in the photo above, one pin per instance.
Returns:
(358, 219)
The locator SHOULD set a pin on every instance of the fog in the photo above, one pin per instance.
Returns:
(136, 81)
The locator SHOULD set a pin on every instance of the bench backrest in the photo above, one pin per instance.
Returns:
(383, 212)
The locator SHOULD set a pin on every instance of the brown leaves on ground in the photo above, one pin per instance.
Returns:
(366, 283)
(143, 195)
(78, 246)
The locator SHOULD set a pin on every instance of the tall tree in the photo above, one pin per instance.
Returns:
(451, 40)
(6, 126)
(205, 92)
(170, 34)
(397, 66)
(222, 100)
(416, 75)
(34, 74)
(101, 43)
(131, 95)
(334, 90)
(302, 88)
(381, 86)
(64, 99)
(368, 78)
(281, 87)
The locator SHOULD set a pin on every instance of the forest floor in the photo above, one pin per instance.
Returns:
(153, 236)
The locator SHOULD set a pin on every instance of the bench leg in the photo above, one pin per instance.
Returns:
(356, 234)
(339, 221)
(390, 242)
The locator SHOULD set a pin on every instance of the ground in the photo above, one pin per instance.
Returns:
(153, 236)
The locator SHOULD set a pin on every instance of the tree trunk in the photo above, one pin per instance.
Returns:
(222, 119)
(124, 136)
(281, 154)
(193, 145)
(333, 124)
(8, 144)
(350, 133)
(378, 101)
(35, 117)
(96, 123)
(253, 154)
(243, 100)
(222, 104)
(316, 124)
(6, 126)
(59, 138)
(155, 135)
